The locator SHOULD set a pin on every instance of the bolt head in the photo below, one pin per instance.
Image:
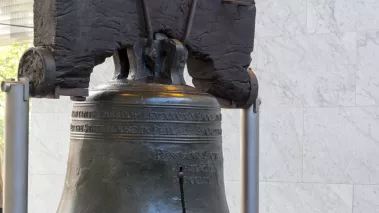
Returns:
(154, 54)
(5, 87)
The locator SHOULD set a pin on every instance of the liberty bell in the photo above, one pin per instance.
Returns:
(146, 142)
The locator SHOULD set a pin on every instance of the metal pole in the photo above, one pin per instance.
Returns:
(15, 192)
(250, 159)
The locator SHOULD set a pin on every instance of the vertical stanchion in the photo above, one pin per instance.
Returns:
(15, 192)
(250, 159)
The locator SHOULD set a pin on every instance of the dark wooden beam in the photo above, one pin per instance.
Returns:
(83, 33)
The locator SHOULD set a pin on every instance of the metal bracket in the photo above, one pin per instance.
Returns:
(174, 62)
(162, 62)
(75, 93)
(256, 106)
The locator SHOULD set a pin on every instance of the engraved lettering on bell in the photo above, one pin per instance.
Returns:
(126, 151)
(146, 115)
(194, 180)
(180, 155)
(149, 129)
(196, 167)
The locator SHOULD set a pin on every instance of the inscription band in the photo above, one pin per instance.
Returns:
(147, 115)
(147, 129)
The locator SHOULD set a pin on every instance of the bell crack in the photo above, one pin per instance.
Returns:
(181, 186)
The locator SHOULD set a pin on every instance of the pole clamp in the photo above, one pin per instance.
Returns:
(6, 86)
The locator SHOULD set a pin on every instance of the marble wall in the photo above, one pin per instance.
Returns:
(318, 66)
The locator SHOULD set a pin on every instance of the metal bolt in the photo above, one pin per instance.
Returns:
(5, 87)
(155, 54)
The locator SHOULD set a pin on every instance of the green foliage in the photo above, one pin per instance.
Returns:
(9, 59)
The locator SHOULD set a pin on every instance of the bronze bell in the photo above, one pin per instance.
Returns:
(140, 147)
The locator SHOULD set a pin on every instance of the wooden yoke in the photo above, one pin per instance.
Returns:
(77, 35)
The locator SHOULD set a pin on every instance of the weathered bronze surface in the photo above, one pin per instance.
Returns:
(130, 140)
